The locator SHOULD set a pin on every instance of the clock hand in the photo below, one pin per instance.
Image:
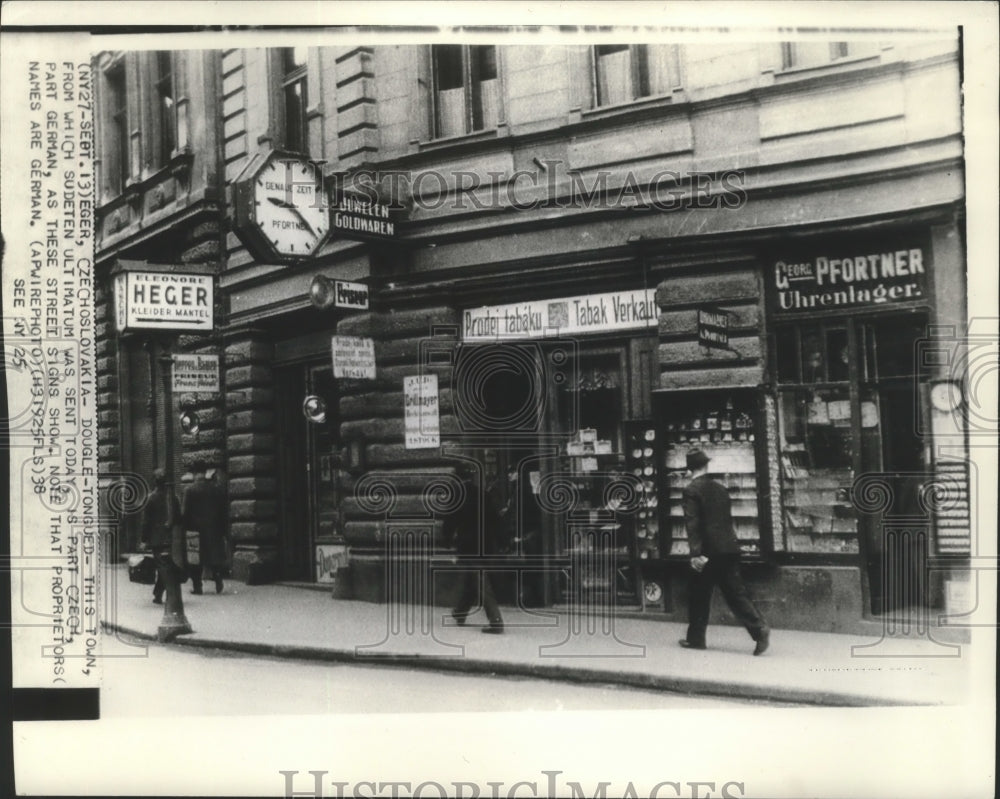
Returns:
(294, 209)
(305, 221)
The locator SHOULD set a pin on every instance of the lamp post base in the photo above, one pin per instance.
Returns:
(172, 625)
(174, 622)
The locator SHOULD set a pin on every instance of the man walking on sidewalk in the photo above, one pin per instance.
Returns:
(715, 557)
(471, 545)
(205, 512)
(161, 512)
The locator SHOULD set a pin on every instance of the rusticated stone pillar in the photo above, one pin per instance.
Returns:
(372, 416)
(250, 451)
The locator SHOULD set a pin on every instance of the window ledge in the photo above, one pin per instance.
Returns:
(464, 138)
(639, 104)
(839, 65)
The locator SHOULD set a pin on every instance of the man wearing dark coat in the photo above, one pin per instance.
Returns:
(463, 529)
(715, 556)
(205, 512)
(161, 512)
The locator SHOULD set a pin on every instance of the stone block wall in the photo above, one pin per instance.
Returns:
(250, 463)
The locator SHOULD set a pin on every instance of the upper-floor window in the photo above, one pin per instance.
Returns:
(166, 106)
(466, 89)
(627, 72)
(295, 98)
(803, 54)
(116, 158)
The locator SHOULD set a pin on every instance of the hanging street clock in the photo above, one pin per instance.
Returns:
(281, 211)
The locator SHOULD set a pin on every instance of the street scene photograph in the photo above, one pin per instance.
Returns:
(367, 378)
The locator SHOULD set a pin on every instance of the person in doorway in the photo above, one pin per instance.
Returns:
(471, 544)
(715, 556)
(205, 512)
(161, 512)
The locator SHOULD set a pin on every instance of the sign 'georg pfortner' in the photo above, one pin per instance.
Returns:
(834, 277)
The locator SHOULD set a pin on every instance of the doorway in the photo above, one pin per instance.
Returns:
(897, 550)
(309, 468)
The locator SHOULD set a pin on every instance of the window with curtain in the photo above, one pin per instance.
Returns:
(803, 54)
(116, 155)
(624, 73)
(295, 98)
(466, 89)
(166, 106)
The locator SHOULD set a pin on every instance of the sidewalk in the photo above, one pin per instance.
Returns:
(800, 667)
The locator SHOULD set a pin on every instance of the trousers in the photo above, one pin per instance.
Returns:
(724, 571)
(164, 562)
(469, 595)
(196, 572)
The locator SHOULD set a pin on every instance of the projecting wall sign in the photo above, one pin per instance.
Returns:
(360, 218)
(350, 295)
(713, 328)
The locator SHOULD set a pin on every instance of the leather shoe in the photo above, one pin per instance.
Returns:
(196, 591)
(218, 585)
(493, 629)
(763, 642)
(157, 600)
(459, 618)
(684, 642)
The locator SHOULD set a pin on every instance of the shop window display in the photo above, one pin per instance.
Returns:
(816, 469)
(722, 424)
(846, 402)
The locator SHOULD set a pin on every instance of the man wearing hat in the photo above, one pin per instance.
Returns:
(715, 557)
(205, 512)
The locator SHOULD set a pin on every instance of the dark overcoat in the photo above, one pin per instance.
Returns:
(205, 511)
(157, 517)
(708, 516)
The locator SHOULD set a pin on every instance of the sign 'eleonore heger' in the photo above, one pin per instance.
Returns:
(163, 301)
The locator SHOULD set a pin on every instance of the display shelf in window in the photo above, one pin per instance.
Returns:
(599, 535)
(722, 423)
(643, 448)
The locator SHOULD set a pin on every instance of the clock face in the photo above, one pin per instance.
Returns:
(289, 207)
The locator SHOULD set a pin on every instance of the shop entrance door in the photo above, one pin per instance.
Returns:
(323, 466)
(896, 552)
(308, 468)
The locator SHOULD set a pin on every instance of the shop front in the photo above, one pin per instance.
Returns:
(794, 365)
(801, 370)
(555, 394)
(847, 318)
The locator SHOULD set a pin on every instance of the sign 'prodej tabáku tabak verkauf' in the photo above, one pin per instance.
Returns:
(832, 277)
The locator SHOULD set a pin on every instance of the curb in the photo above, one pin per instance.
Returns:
(672, 684)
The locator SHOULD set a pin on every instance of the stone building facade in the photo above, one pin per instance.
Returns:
(735, 245)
